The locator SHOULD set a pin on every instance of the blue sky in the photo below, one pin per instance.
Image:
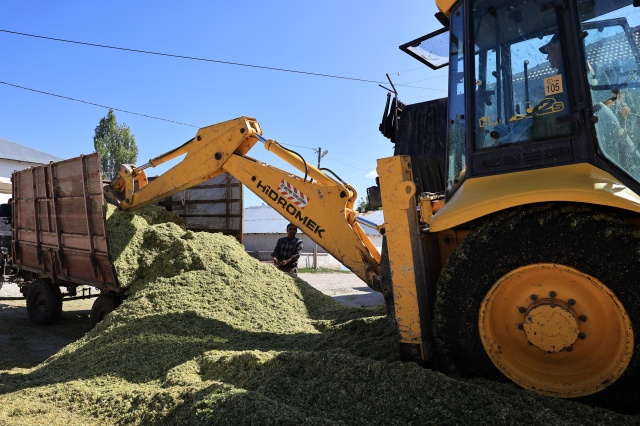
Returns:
(356, 38)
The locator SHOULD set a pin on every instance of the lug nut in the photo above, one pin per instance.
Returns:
(582, 336)
(552, 294)
(520, 327)
(522, 310)
(582, 318)
(533, 297)
(571, 302)
(569, 348)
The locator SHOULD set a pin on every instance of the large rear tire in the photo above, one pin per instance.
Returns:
(548, 297)
(44, 302)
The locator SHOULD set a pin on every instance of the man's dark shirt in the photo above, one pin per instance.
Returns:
(288, 249)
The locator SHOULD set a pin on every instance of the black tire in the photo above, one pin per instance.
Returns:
(102, 306)
(44, 302)
(584, 238)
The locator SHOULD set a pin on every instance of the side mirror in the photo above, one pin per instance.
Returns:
(431, 49)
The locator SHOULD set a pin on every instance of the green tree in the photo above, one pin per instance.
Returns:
(363, 205)
(116, 145)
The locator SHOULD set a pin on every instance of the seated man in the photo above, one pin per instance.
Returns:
(539, 121)
(555, 103)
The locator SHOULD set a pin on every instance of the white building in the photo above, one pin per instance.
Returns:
(14, 156)
(263, 226)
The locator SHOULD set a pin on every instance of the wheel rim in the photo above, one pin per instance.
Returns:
(40, 301)
(555, 330)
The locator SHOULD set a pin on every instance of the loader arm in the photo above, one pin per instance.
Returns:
(321, 206)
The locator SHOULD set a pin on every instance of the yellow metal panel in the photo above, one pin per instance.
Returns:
(403, 243)
(321, 211)
(583, 183)
(296, 161)
(205, 155)
(445, 6)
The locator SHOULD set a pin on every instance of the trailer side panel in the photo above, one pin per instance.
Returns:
(59, 226)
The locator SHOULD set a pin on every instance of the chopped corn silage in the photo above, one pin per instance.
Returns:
(209, 335)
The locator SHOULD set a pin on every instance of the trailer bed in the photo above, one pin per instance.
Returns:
(59, 225)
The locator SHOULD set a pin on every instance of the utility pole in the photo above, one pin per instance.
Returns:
(315, 247)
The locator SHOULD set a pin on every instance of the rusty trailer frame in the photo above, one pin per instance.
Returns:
(59, 224)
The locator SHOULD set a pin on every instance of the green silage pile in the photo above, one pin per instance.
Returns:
(209, 335)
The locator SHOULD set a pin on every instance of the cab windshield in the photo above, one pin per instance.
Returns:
(520, 75)
(521, 84)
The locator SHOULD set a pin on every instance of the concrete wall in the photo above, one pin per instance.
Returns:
(323, 260)
(266, 242)
(260, 246)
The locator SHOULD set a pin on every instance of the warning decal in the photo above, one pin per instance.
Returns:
(292, 194)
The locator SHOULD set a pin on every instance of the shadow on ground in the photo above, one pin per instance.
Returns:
(25, 345)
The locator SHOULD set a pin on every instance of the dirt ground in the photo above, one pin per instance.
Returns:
(346, 289)
(25, 345)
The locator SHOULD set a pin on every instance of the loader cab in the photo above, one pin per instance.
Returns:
(538, 84)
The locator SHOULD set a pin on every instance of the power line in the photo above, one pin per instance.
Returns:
(348, 165)
(179, 57)
(95, 104)
(412, 69)
(153, 117)
(217, 61)
(333, 156)
(122, 110)
(144, 115)
(297, 146)
(193, 58)
(424, 79)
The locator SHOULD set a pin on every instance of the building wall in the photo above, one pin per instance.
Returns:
(6, 169)
(260, 246)
(8, 166)
(266, 242)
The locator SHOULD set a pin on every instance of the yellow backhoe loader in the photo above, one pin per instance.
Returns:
(523, 261)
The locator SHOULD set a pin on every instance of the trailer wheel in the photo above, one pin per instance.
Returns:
(103, 305)
(44, 302)
(548, 297)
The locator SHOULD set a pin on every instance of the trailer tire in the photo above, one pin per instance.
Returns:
(102, 306)
(592, 244)
(44, 302)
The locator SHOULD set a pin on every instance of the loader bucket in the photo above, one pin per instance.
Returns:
(112, 196)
